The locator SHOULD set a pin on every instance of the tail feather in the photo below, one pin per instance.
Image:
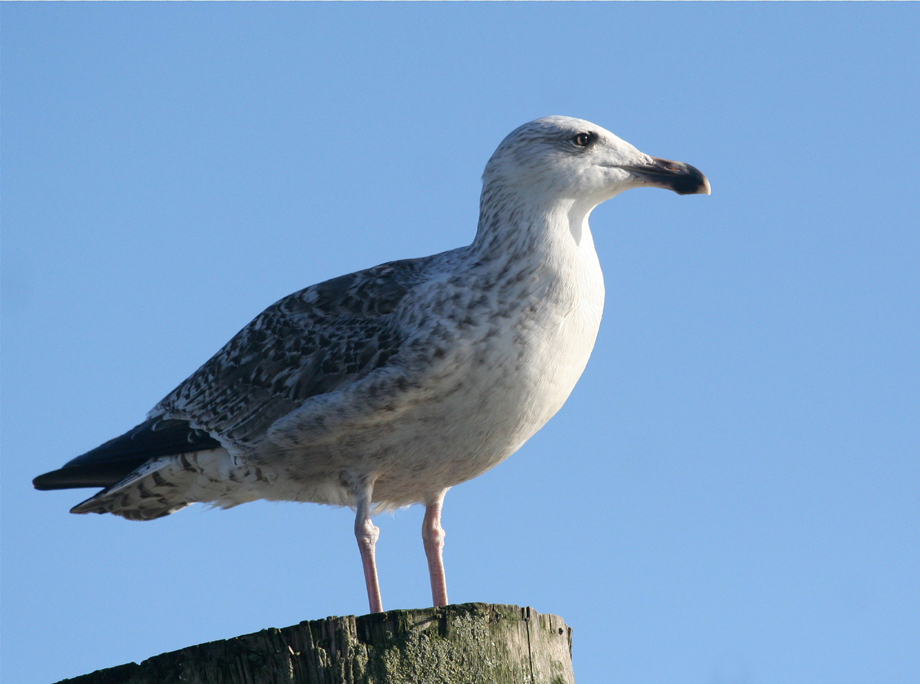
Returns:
(154, 490)
(143, 495)
(170, 483)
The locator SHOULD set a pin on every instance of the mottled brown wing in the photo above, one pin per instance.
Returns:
(314, 341)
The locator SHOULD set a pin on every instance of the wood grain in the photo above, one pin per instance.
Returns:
(473, 643)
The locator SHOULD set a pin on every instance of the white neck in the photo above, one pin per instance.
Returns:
(516, 224)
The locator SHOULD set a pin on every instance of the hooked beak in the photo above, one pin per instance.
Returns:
(671, 175)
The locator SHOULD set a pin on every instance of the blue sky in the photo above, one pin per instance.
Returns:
(731, 493)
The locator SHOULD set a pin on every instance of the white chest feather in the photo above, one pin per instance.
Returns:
(537, 360)
(510, 372)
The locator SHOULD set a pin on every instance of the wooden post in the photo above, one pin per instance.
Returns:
(473, 643)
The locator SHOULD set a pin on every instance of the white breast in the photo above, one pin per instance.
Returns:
(500, 386)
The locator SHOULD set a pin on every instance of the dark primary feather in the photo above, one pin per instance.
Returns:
(314, 341)
(116, 459)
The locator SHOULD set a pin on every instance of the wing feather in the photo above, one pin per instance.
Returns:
(313, 342)
(109, 463)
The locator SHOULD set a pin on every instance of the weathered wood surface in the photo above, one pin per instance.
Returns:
(473, 643)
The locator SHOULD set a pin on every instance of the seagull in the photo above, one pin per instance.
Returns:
(386, 387)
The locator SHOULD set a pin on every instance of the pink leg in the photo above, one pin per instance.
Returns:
(433, 537)
(367, 534)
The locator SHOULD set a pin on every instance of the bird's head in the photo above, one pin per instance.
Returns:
(560, 157)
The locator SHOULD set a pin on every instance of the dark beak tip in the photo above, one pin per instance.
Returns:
(702, 188)
(693, 182)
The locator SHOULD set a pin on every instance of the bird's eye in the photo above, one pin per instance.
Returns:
(582, 139)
